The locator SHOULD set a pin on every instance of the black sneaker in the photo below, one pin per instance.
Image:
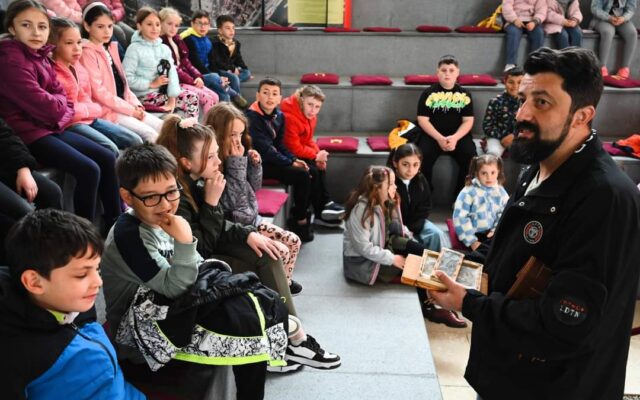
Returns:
(295, 288)
(311, 354)
(291, 366)
(332, 211)
(304, 231)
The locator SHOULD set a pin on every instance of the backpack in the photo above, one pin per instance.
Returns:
(494, 21)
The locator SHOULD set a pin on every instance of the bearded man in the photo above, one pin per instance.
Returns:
(578, 213)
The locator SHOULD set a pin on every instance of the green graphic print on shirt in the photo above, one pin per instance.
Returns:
(447, 100)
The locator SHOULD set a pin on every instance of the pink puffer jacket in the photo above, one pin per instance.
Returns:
(556, 16)
(78, 92)
(65, 8)
(116, 7)
(524, 10)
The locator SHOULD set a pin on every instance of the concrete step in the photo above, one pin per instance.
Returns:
(363, 109)
(394, 54)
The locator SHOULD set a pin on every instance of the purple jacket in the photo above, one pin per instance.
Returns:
(32, 101)
(187, 73)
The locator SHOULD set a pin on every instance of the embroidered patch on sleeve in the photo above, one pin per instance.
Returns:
(570, 311)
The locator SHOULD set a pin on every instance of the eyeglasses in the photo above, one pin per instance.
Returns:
(202, 23)
(154, 199)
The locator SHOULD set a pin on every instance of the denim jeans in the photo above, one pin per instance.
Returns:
(514, 34)
(430, 236)
(568, 37)
(107, 134)
(234, 80)
(214, 82)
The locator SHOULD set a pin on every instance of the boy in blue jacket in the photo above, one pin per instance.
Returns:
(48, 325)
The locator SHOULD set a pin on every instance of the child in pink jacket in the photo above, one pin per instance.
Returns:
(109, 85)
(522, 16)
(86, 121)
(121, 30)
(563, 22)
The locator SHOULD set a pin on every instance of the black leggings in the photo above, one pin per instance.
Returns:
(301, 182)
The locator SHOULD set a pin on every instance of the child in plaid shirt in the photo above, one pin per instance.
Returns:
(479, 205)
(500, 117)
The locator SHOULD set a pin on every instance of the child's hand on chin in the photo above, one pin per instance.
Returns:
(178, 228)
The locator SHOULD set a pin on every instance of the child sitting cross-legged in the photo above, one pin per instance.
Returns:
(479, 205)
(375, 241)
(49, 329)
(196, 150)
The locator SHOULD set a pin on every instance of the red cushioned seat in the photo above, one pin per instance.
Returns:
(621, 83)
(276, 28)
(477, 80)
(612, 150)
(270, 201)
(378, 143)
(336, 29)
(381, 29)
(320, 77)
(456, 244)
(379, 80)
(270, 182)
(340, 144)
(420, 79)
(433, 28)
(475, 29)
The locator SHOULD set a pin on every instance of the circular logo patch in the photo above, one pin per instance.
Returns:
(532, 232)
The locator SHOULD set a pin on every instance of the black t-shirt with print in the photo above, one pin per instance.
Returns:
(445, 107)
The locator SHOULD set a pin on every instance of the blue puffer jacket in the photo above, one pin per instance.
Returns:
(49, 357)
(141, 66)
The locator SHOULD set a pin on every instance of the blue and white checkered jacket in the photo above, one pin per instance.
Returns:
(477, 209)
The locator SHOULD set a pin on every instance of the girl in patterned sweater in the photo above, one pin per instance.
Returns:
(479, 204)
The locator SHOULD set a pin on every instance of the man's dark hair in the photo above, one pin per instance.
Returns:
(579, 69)
(448, 59)
(222, 19)
(515, 71)
(48, 239)
(197, 14)
(269, 81)
(142, 162)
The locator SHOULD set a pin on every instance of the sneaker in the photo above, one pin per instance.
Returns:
(604, 71)
(311, 354)
(240, 102)
(332, 211)
(441, 316)
(304, 231)
(291, 366)
(509, 66)
(295, 288)
(623, 73)
(327, 224)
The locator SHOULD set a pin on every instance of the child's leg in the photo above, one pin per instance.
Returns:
(107, 181)
(431, 151)
(51, 151)
(301, 182)
(250, 379)
(12, 205)
(464, 152)
(430, 236)
(141, 128)
(49, 193)
(286, 238)
(206, 97)
(575, 36)
(606, 31)
(536, 38)
(187, 102)
(494, 147)
(561, 38)
(234, 81)
(630, 35)
(514, 34)
(319, 194)
(119, 135)
(245, 74)
(213, 82)
(95, 136)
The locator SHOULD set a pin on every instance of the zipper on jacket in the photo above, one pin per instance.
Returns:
(113, 362)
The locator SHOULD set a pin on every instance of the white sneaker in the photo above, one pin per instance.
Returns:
(311, 354)
(291, 366)
(509, 66)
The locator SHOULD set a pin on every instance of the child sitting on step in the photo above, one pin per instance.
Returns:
(479, 205)
(500, 117)
(376, 242)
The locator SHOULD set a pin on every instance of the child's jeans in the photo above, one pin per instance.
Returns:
(568, 37)
(430, 236)
(234, 80)
(213, 82)
(107, 134)
(514, 34)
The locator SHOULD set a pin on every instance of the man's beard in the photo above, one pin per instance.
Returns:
(534, 150)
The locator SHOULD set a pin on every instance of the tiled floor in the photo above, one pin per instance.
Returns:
(450, 348)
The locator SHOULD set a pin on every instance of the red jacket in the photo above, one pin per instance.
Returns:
(187, 73)
(298, 130)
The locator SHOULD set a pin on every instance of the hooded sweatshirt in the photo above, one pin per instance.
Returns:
(54, 355)
(32, 101)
